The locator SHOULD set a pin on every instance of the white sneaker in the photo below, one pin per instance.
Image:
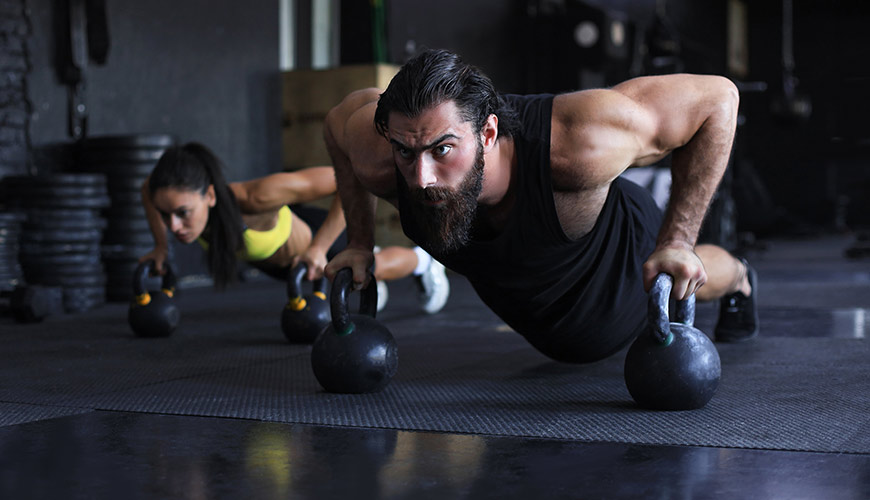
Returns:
(383, 295)
(434, 288)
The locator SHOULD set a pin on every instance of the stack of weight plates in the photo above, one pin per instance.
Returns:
(10, 270)
(61, 234)
(126, 161)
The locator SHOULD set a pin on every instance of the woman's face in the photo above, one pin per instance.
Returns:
(184, 211)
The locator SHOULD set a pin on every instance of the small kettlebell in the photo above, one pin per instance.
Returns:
(355, 353)
(672, 366)
(304, 316)
(153, 313)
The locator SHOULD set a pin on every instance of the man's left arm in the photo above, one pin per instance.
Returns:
(694, 117)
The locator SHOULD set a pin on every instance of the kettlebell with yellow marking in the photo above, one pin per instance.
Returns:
(153, 313)
(304, 316)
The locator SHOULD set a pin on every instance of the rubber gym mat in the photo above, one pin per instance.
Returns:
(13, 413)
(459, 371)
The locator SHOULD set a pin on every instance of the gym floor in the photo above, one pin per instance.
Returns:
(227, 408)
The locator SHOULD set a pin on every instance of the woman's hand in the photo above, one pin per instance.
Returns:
(159, 256)
(314, 258)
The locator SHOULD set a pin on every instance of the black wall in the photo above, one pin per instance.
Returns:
(204, 70)
(14, 110)
(208, 71)
(816, 170)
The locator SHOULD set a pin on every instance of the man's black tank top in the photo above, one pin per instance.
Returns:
(576, 301)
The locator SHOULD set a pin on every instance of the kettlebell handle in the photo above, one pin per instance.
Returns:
(341, 288)
(143, 270)
(657, 311)
(294, 283)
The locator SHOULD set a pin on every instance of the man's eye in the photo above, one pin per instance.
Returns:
(442, 150)
(404, 153)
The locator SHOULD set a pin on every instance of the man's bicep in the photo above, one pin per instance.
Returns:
(672, 108)
(603, 132)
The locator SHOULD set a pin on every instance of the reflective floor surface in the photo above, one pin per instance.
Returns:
(129, 456)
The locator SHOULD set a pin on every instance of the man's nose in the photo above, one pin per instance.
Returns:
(424, 172)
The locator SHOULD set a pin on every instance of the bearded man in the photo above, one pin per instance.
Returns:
(523, 196)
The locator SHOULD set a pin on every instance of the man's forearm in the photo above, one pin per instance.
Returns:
(697, 168)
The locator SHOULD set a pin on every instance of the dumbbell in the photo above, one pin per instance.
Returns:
(153, 313)
(304, 315)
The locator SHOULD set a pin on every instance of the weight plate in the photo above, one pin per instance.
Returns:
(126, 198)
(94, 180)
(93, 157)
(124, 211)
(7, 232)
(49, 224)
(10, 267)
(38, 214)
(83, 280)
(62, 259)
(116, 170)
(129, 225)
(10, 275)
(61, 235)
(8, 239)
(125, 183)
(120, 252)
(119, 294)
(91, 202)
(38, 250)
(9, 256)
(137, 239)
(63, 192)
(130, 220)
(132, 141)
(11, 219)
(86, 291)
(89, 268)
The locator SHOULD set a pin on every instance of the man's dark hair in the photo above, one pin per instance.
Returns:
(438, 76)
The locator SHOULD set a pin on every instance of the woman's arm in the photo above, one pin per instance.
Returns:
(158, 230)
(273, 191)
(315, 255)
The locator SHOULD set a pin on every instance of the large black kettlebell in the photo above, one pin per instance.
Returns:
(153, 313)
(672, 366)
(304, 316)
(355, 353)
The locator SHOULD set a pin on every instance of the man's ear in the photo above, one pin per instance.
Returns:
(489, 133)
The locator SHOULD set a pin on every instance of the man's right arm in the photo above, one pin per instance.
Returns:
(355, 148)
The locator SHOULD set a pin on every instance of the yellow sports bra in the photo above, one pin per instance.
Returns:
(261, 245)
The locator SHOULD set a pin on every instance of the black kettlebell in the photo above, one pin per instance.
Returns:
(672, 366)
(304, 316)
(153, 313)
(355, 353)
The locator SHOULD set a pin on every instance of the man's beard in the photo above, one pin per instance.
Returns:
(447, 227)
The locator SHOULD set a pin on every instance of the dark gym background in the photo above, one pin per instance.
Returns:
(209, 71)
(226, 408)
